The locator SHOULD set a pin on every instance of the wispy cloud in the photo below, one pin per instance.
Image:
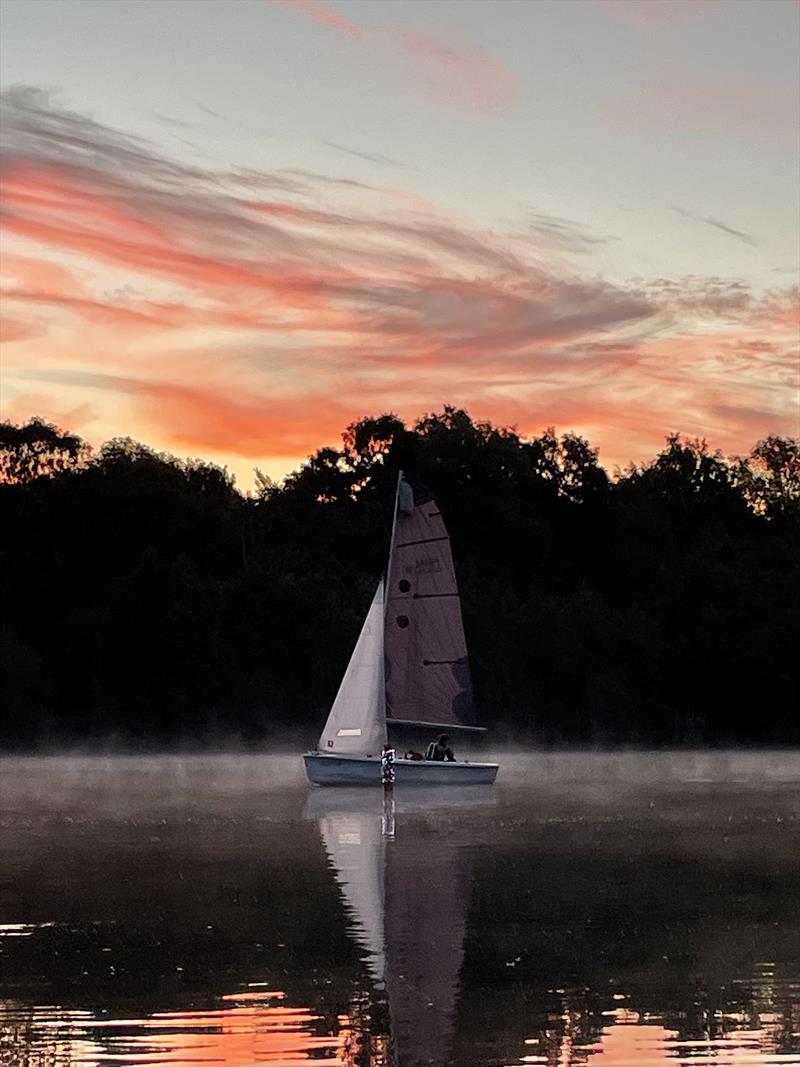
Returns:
(698, 106)
(724, 299)
(256, 313)
(450, 71)
(324, 13)
(648, 14)
(708, 220)
(455, 73)
(179, 124)
(370, 157)
(564, 233)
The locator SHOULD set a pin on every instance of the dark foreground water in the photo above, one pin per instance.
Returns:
(590, 910)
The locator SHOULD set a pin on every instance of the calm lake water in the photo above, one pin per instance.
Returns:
(625, 910)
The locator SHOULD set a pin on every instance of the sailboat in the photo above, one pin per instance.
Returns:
(409, 668)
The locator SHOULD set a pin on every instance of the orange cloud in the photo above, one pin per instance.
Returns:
(255, 315)
(19, 330)
(208, 417)
(36, 273)
(256, 426)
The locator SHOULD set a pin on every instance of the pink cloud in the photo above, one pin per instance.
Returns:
(323, 13)
(259, 327)
(450, 71)
(467, 76)
(19, 330)
(36, 273)
(651, 13)
(705, 107)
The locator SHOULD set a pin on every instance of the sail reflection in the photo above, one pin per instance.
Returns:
(406, 882)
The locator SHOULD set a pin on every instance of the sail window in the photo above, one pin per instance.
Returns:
(405, 498)
(404, 585)
(402, 621)
(348, 733)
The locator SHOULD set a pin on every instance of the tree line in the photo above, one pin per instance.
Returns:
(147, 601)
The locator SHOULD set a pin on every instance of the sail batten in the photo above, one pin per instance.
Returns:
(436, 725)
(423, 541)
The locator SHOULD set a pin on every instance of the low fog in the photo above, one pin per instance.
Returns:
(101, 784)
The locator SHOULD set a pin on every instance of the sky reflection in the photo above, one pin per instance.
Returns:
(259, 1027)
(254, 1027)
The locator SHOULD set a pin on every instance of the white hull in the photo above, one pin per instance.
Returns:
(325, 769)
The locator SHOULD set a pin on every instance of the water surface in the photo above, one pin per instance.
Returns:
(589, 910)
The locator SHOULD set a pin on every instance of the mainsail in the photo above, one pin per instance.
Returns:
(427, 670)
(356, 723)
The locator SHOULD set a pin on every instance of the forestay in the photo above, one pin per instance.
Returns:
(356, 723)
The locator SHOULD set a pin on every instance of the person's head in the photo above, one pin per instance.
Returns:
(443, 739)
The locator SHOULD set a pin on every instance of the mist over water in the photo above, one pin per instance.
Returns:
(595, 908)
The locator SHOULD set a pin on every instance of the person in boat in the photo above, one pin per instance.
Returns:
(440, 750)
(387, 765)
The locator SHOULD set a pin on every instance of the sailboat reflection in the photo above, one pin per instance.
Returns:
(405, 874)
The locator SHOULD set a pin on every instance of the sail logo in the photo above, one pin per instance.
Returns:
(427, 566)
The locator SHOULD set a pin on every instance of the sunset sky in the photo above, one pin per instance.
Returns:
(230, 227)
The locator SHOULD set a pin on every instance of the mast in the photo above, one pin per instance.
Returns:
(391, 543)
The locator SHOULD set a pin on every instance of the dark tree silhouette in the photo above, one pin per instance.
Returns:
(147, 599)
(36, 450)
(770, 477)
